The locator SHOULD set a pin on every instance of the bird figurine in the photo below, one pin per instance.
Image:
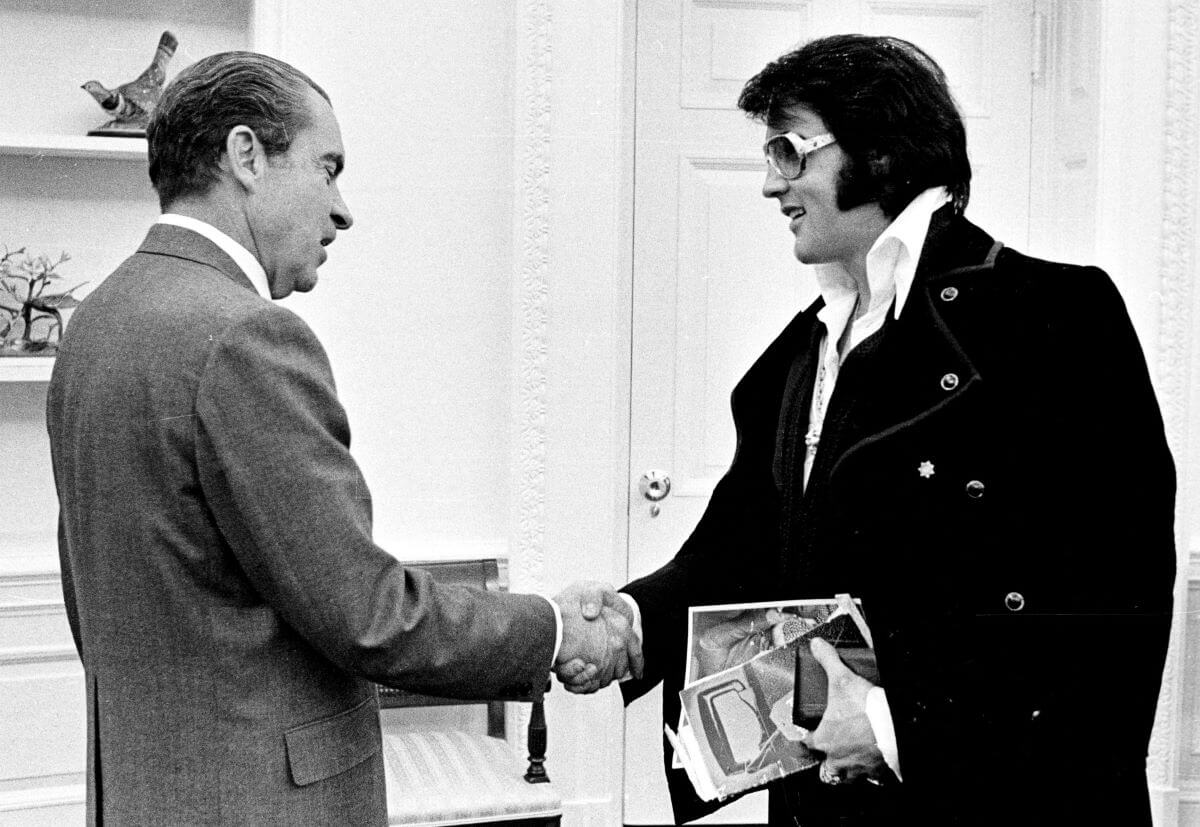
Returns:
(130, 104)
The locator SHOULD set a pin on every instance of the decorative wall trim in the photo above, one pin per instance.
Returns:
(750, 5)
(532, 289)
(531, 306)
(23, 655)
(44, 608)
(24, 578)
(68, 795)
(268, 21)
(724, 163)
(24, 593)
(1177, 269)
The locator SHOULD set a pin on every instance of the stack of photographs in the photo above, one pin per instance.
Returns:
(736, 730)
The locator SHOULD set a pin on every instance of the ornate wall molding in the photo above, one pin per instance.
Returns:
(68, 800)
(531, 307)
(268, 22)
(532, 290)
(20, 656)
(1174, 346)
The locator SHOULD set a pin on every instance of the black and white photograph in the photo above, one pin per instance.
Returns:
(405, 406)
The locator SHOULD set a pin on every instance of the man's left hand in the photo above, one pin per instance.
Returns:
(845, 734)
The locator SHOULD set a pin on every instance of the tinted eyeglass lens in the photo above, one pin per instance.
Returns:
(784, 156)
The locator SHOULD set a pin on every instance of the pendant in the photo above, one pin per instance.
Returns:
(813, 438)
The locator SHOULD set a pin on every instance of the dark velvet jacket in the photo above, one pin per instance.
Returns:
(1020, 596)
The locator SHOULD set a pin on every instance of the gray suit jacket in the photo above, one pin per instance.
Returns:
(226, 598)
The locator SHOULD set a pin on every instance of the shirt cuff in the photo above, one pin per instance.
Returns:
(637, 626)
(880, 716)
(557, 631)
(637, 615)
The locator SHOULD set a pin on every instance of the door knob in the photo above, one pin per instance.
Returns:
(655, 486)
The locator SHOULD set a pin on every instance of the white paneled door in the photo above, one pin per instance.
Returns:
(714, 277)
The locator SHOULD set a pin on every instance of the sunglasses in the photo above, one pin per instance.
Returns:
(788, 153)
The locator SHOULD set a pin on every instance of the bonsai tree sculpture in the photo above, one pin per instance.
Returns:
(24, 303)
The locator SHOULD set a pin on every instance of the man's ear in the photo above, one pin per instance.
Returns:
(245, 156)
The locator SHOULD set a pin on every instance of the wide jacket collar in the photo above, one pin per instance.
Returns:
(182, 243)
(954, 244)
(926, 367)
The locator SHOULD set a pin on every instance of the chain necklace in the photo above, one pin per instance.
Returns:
(812, 437)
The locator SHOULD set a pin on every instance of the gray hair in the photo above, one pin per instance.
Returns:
(193, 117)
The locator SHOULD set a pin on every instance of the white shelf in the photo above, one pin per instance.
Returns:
(26, 368)
(73, 146)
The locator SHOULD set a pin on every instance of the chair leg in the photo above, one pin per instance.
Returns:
(536, 774)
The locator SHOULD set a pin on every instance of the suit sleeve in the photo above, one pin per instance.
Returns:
(730, 556)
(1118, 534)
(274, 460)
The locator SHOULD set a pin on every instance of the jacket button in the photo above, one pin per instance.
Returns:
(975, 489)
(949, 294)
(1014, 601)
(950, 381)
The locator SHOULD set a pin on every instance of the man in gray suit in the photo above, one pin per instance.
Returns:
(226, 598)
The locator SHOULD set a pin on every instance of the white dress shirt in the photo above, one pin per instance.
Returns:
(242, 257)
(891, 265)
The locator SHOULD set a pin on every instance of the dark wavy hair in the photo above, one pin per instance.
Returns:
(887, 103)
(187, 131)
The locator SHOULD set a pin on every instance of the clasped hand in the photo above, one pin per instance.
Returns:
(599, 645)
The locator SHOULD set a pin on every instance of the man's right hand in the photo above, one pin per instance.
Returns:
(599, 644)
(844, 734)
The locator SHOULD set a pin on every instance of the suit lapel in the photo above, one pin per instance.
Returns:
(923, 367)
(182, 243)
(794, 414)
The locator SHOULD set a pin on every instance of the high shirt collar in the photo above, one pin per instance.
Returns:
(242, 257)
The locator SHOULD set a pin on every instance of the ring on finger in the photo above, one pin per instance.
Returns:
(827, 775)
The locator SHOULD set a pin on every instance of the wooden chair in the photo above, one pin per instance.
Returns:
(448, 776)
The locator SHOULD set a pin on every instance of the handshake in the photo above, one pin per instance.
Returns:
(599, 644)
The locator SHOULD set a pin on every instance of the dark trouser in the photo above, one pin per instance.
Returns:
(803, 800)
(1119, 800)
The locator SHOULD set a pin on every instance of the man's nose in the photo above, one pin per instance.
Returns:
(341, 214)
(775, 184)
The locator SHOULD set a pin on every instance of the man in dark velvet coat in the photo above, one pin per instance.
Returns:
(962, 436)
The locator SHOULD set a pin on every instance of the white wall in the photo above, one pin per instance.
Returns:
(470, 313)
(414, 303)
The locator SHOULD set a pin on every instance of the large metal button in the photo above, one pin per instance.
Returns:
(949, 294)
(1014, 601)
(974, 489)
(950, 381)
